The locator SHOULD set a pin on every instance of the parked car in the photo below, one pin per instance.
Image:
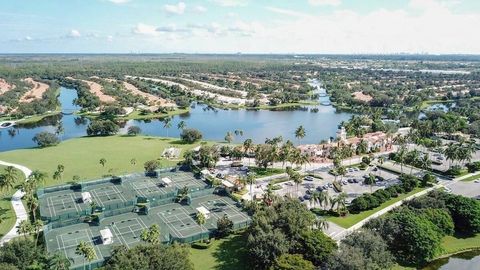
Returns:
(350, 180)
(301, 198)
(330, 185)
(309, 191)
(307, 196)
(344, 182)
(289, 184)
(221, 176)
(309, 178)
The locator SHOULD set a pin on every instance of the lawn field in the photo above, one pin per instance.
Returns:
(224, 254)
(471, 178)
(352, 219)
(7, 215)
(455, 244)
(81, 156)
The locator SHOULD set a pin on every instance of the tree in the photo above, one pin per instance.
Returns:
(362, 250)
(201, 219)
(102, 128)
(300, 133)
(150, 257)
(45, 139)
(316, 246)
(182, 125)
(134, 130)
(167, 123)
(370, 180)
(465, 213)
(229, 137)
(151, 166)
(25, 228)
(102, 162)
(58, 262)
(133, 162)
(247, 147)
(151, 235)
(37, 226)
(87, 251)
(190, 135)
(292, 262)
(38, 177)
(8, 178)
(224, 226)
(22, 254)
(251, 180)
(400, 157)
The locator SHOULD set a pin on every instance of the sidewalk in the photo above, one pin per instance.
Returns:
(20, 211)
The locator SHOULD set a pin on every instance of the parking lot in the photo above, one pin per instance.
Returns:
(352, 184)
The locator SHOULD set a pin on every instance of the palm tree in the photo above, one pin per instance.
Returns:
(133, 162)
(56, 175)
(151, 235)
(322, 224)
(167, 123)
(87, 251)
(38, 177)
(182, 125)
(297, 179)
(341, 171)
(102, 162)
(341, 201)
(9, 178)
(58, 262)
(425, 162)
(300, 133)
(251, 180)
(381, 160)
(61, 169)
(370, 180)
(37, 226)
(32, 202)
(229, 137)
(247, 147)
(400, 157)
(201, 219)
(25, 228)
(415, 157)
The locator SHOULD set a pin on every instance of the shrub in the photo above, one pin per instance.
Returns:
(190, 135)
(102, 128)
(45, 139)
(455, 170)
(151, 165)
(203, 244)
(409, 182)
(473, 166)
(224, 226)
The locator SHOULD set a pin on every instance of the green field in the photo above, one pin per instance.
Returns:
(224, 254)
(352, 219)
(7, 216)
(455, 244)
(81, 156)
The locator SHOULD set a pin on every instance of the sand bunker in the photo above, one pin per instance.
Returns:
(96, 89)
(4, 86)
(36, 92)
(361, 96)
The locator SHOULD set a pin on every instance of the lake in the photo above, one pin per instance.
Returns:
(462, 261)
(214, 124)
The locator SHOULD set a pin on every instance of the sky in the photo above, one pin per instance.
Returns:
(246, 26)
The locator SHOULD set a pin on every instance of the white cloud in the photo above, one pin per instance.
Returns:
(74, 33)
(200, 9)
(110, 38)
(145, 29)
(119, 1)
(177, 9)
(287, 12)
(28, 38)
(231, 3)
(324, 2)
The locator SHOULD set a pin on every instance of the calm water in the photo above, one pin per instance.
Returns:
(214, 124)
(463, 261)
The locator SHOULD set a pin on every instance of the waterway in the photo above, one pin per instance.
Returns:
(213, 123)
(462, 261)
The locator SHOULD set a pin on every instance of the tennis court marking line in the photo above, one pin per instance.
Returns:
(89, 240)
(116, 228)
(69, 199)
(178, 232)
(230, 207)
(107, 194)
(140, 187)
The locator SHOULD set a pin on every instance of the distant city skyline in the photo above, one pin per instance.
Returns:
(246, 26)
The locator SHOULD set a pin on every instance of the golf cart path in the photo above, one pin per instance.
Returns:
(20, 211)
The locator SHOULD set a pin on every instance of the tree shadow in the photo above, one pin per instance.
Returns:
(232, 253)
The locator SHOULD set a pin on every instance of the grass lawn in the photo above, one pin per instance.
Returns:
(138, 116)
(261, 172)
(454, 244)
(224, 254)
(81, 156)
(7, 215)
(471, 178)
(352, 219)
